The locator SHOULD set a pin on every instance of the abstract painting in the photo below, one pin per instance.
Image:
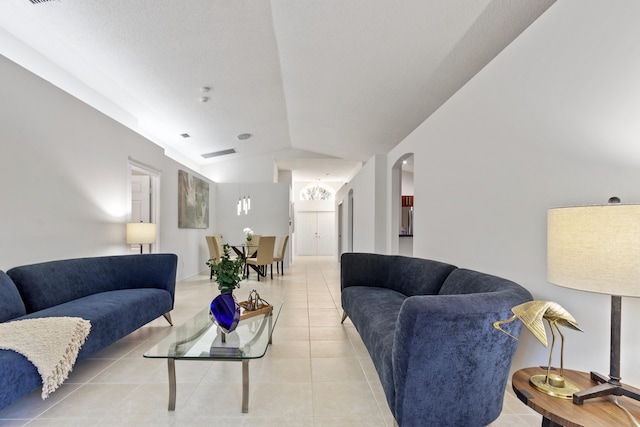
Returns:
(193, 201)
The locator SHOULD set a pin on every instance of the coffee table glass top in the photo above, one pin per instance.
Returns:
(200, 338)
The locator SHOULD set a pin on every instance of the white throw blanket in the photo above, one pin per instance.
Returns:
(50, 343)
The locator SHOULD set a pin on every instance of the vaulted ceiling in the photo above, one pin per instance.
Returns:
(342, 78)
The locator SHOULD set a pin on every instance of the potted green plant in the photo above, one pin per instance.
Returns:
(229, 273)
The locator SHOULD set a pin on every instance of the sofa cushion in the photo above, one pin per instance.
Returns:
(11, 305)
(112, 314)
(374, 312)
(51, 283)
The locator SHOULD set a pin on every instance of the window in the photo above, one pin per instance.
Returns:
(316, 192)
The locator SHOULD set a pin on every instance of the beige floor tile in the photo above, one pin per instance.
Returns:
(90, 402)
(209, 400)
(290, 333)
(336, 369)
(45, 422)
(117, 350)
(328, 333)
(131, 371)
(32, 405)
(281, 370)
(340, 399)
(282, 399)
(289, 349)
(226, 372)
(324, 321)
(87, 369)
(332, 348)
(370, 421)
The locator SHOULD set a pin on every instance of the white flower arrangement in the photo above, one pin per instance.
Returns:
(248, 232)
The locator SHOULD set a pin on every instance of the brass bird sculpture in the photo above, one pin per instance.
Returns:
(531, 315)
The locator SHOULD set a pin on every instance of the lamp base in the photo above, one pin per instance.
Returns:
(555, 386)
(608, 387)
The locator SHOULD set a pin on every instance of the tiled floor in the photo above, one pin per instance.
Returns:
(317, 372)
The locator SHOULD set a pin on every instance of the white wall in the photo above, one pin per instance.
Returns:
(552, 121)
(254, 168)
(269, 214)
(369, 206)
(64, 179)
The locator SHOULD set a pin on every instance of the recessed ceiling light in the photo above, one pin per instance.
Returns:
(244, 136)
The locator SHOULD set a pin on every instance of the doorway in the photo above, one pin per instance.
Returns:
(340, 221)
(350, 221)
(144, 196)
(315, 233)
(402, 213)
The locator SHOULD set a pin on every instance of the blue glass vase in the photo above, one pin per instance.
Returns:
(226, 312)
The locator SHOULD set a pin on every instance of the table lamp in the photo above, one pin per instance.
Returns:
(597, 249)
(140, 233)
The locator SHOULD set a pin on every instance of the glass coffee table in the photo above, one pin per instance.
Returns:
(201, 339)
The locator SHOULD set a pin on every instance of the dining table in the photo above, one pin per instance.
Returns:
(246, 250)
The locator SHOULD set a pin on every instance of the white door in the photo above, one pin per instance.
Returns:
(326, 233)
(315, 233)
(140, 198)
(140, 204)
(306, 233)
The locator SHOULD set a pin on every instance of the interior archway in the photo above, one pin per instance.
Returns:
(402, 216)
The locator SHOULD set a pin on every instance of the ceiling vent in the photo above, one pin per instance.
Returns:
(219, 153)
(42, 1)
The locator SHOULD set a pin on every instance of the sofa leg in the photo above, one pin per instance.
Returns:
(168, 317)
(344, 316)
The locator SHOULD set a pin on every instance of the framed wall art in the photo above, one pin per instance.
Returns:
(193, 201)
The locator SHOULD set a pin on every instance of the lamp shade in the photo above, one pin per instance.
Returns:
(595, 248)
(141, 232)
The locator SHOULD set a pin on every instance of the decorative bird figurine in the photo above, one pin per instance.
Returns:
(531, 314)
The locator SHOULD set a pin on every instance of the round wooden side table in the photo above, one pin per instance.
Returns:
(596, 412)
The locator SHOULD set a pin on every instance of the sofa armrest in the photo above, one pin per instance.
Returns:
(409, 276)
(446, 352)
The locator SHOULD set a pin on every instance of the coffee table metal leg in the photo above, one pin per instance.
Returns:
(245, 386)
(171, 364)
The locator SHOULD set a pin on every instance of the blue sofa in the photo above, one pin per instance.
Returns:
(117, 294)
(428, 327)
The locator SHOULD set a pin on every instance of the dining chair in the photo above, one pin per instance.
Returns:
(255, 243)
(278, 255)
(217, 238)
(214, 253)
(264, 256)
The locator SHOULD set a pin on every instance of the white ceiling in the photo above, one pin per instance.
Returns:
(345, 79)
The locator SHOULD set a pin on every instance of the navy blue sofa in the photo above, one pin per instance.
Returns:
(428, 327)
(117, 294)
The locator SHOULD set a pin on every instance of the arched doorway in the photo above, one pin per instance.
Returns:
(402, 206)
